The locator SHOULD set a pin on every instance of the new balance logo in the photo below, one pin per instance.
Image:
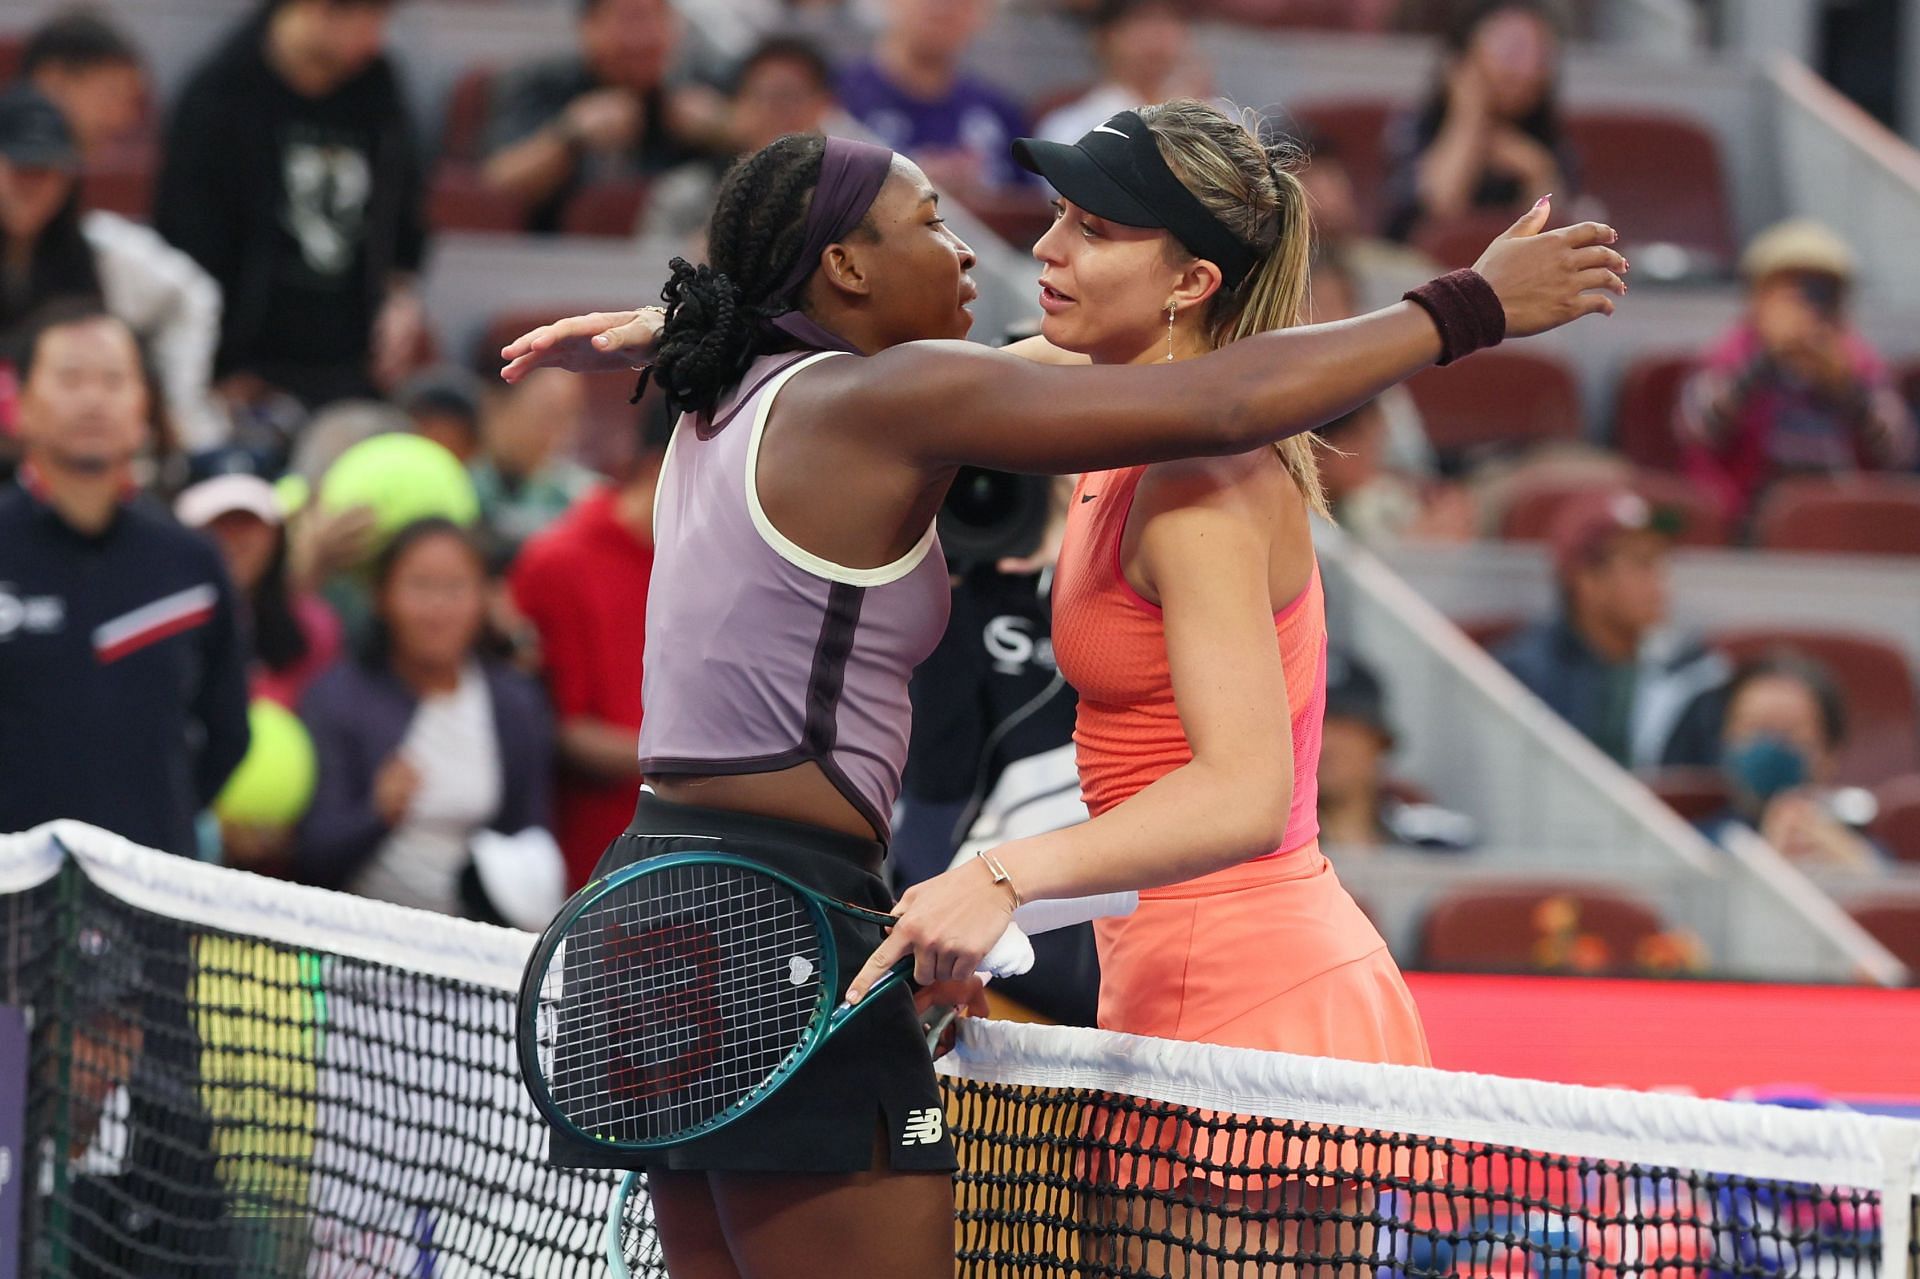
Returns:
(924, 1127)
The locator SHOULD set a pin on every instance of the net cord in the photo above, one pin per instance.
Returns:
(1833, 1148)
(1751, 1140)
(250, 905)
(1900, 1152)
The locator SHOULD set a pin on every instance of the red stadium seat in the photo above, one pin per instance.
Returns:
(12, 46)
(1661, 176)
(1353, 129)
(1459, 242)
(1693, 793)
(605, 208)
(466, 120)
(1321, 15)
(458, 200)
(1878, 686)
(123, 189)
(1537, 927)
(1859, 514)
(1644, 407)
(1490, 632)
(1530, 515)
(1020, 216)
(1897, 826)
(1498, 397)
(1895, 924)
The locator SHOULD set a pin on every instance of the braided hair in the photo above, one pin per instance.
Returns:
(716, 312)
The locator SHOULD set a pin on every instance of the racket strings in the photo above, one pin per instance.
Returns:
(676, 996)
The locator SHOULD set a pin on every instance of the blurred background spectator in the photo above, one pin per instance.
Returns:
(293, 635)
(785, 85)
(444, 405)
(123, 693)
(523, 474)
(1605, 661)
(916, 94)
(1361, 807)
(291, 176)
(89, 69)
(423, 740)
(582, 584)
(1792, 389)
(1785, 718)
(1146, 54)
(1488, 138)
(605, 111)
(55, 250)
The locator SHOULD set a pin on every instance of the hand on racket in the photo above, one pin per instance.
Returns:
(602, 341)
(946, 925)
(1549, 278)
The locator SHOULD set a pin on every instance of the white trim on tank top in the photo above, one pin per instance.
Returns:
(785, 547)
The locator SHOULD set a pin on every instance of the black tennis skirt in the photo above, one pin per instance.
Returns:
(872, 1076)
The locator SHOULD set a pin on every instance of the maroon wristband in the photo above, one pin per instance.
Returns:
(1465, 309)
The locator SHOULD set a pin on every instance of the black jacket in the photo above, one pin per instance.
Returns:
(302, 208)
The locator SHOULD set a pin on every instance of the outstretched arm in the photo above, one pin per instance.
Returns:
(951, 403)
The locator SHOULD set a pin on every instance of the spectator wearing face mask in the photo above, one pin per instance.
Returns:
(1785, 719)
(1606, 662)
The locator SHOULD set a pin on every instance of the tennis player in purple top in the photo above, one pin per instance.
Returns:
(826, 404)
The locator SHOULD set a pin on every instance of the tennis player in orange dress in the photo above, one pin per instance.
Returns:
(1189, 617)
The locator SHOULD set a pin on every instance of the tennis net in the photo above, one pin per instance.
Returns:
(233, 1076)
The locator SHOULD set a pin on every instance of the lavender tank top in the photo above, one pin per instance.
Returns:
(760, 654)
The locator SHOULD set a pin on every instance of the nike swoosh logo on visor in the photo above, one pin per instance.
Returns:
(1101, 128)
(1087, 497)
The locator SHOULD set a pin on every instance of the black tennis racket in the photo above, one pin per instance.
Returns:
(676, 994)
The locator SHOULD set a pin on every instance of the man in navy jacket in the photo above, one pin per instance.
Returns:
(123, 687)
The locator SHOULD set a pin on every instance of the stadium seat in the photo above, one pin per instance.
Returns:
(1354, 129)
(126, 189)
(12, 46)
(1895, 924)
(1529, 516)
(1897, 825)
(1498, 397)
(1693, 793)
(458, 200)
(1643, 411)
(1873, 675)
(605, 209)
(1859, 514)
(1490, 632)
(1321, 15)
(1661, 176)
(466, 119)
(1459, 242)
(1907, 378)
(1537, 927)
(1017, 215)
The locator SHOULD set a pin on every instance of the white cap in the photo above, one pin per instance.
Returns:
(205, 502)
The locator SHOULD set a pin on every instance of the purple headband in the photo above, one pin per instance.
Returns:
(851, 175)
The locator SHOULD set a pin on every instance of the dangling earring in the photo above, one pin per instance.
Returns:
(1170, 309)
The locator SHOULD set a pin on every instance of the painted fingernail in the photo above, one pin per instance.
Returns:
(1543, 199)
(601, 340)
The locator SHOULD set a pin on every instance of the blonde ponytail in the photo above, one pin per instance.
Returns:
(1254, 193)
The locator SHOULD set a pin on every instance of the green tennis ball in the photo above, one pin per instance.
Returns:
(293, 492)
(274, 784)
(403, 478)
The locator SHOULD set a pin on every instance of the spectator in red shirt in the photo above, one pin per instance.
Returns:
(1793, 388)
(582, 583)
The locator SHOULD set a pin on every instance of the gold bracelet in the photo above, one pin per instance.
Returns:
(1000, 876)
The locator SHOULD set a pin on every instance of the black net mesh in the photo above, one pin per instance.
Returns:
(204, 1103)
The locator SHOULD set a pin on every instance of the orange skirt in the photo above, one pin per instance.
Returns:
(1270, 954)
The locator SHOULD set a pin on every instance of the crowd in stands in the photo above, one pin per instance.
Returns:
(251, 312)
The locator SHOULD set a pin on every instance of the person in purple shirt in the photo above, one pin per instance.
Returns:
(915, 95)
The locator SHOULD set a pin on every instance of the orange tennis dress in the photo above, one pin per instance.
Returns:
(1271, 953)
